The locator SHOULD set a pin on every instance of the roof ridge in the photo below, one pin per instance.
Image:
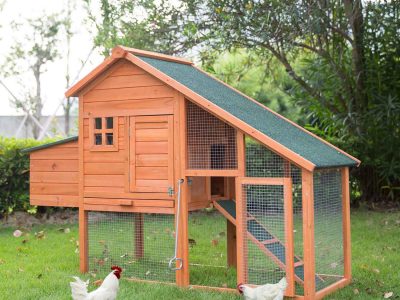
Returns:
(152, 54)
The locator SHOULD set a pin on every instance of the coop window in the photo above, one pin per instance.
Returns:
(211, 143)
(104, 133)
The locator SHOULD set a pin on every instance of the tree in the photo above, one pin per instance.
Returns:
(342, 57)
(30, 55)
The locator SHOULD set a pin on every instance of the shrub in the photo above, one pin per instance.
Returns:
(14, 174)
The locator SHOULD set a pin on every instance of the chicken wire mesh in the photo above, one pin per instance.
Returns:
(328, 226)
(211, 143)
(264, 222)
(208, 250)
(262, 162)
(141, 244)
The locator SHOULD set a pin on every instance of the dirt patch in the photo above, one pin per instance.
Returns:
(25, 220)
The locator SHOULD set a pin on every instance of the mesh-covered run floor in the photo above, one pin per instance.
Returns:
(260, 233)
(141, 244)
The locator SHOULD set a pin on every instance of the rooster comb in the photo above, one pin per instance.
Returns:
(116, 268)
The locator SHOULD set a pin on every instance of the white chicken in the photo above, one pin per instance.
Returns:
(264, 292)
(107, 291)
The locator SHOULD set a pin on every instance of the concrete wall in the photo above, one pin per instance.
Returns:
(10, 124)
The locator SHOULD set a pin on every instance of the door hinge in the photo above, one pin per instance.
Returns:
(171, 191)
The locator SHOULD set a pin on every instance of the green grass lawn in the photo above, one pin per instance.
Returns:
(41, 268)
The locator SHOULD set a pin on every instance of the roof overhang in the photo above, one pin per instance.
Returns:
(129, 54)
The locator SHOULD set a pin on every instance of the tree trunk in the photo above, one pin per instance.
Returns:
(37, 100)
(353, 9)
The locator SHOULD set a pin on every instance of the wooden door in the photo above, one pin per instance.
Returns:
(151, 154)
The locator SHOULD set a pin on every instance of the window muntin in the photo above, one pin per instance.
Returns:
(104, 133)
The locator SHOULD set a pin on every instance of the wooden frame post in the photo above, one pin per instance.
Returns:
(346, 222)
(180, 162)
(308, 234)
(241, 228)
(83, 241)
(139, 235)
(289, 244)
(231, 244)
(83, 215)
(241, 233)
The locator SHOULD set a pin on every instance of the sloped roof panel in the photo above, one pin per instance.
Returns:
(321, 154)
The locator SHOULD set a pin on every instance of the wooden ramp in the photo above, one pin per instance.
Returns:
(265, 240)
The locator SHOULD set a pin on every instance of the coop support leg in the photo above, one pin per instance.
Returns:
(346, 223)
(139, 235)
(83, 240)
(241, 233)
(289, 241)
(231, 244)
(308, 234)
(182, 275)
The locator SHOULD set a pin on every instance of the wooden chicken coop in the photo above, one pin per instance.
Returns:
(159, 141)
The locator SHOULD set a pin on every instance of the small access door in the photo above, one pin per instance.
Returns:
(151, 154)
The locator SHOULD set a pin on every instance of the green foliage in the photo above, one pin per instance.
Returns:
(14, 174)
(259, 77)
(337, 60)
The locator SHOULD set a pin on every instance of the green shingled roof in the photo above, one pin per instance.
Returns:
(44, 146)
(283, 132)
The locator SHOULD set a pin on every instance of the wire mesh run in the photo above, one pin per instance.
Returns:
(211, 143)
(208, 250)
(262, 162)
(329, 256)
(141, 244)
(265, 243)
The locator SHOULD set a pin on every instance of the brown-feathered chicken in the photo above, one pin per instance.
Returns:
(264, 292)
(107, 291)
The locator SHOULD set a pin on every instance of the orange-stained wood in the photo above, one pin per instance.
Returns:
(55, 153)
(54, 177)
(139, 235)
(289, 244)
(151, 171)
(241, 230)
(346, 222)
(222, 114)
(54, 188)
(83, 215)
(264, 181)
(127, 81)
(54, 200)
(331, 288)
(143, 106)
(308, 234)
(182, 276)
(231, 244)
(129, 202)
(154, 55)
(147, 92)
(53, 165)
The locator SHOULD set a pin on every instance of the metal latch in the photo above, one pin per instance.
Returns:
(171, 191)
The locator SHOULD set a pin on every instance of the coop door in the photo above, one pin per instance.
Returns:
(151, 154)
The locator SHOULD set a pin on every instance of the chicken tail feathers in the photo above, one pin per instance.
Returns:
(79, 289)
(282, 284)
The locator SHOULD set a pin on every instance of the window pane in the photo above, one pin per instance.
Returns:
(109, 138)
(97, 139)
(109, 122)
(97, 122)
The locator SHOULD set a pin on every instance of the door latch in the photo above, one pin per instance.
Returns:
(171, 191)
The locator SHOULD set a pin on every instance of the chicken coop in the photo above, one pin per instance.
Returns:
(180, 178)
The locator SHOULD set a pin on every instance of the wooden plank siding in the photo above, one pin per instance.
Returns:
(54, 176)
(126, 91)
